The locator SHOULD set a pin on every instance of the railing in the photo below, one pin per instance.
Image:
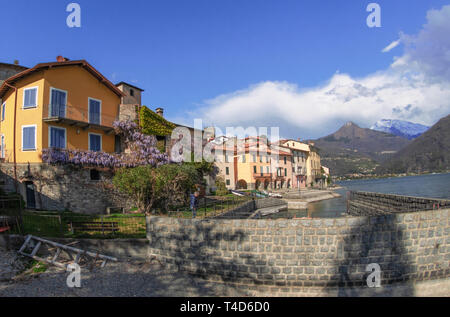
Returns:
(77, 114)
(261, 174)
(209, 208)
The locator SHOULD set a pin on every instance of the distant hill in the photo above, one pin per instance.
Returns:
(355, 150)
(430, 152)
(401, 128)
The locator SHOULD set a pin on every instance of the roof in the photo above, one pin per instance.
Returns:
(125, 83)
(13, 66)
(13, 79)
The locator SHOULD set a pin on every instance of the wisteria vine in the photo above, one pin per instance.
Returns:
(142, 151)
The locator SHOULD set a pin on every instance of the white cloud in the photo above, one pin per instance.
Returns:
(416, 87)
(391, 46)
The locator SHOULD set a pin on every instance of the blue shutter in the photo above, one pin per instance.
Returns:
(3, 111)
(57, 138)
(28, 138)
(94, 111)
(30, 98)
(95, 142)
(58, 106)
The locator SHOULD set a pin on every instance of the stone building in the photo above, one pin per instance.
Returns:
(8, 70)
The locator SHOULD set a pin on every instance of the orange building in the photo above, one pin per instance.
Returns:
(64, 104)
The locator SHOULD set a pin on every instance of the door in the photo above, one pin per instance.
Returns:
(31, 202)
(58, 100)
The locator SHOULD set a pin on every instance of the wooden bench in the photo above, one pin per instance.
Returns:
(86, 226)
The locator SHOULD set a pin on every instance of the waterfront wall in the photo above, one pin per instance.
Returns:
(245, 210)
(64, 187)
(368, 204)
(288, 256)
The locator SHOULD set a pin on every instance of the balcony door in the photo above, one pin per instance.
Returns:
(58, 102)
(94, 111)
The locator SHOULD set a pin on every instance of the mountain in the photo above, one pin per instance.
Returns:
(430, 152)
(355, 150)
(401, 128)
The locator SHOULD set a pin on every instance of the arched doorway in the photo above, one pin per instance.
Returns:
(257, 184)
(241, 184)
(266, 184)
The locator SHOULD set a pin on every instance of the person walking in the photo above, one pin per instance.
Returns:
(194, 203)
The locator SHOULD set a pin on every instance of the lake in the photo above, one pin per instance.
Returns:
(431, 185)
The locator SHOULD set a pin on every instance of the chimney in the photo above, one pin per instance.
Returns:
(160, 111)
(16, 62)
(60, 59)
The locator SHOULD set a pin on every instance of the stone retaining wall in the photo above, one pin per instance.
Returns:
(58, 187)
(287, 256)
(367, 204)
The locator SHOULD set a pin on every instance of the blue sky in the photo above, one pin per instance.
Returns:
(194, 58)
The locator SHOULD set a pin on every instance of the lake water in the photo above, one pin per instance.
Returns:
(432, 186)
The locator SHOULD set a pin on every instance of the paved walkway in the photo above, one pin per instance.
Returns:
(149, 279)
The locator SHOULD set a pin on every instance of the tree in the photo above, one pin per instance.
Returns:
(138, 183)
(221, 187)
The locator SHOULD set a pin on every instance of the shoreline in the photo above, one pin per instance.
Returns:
(390, 176)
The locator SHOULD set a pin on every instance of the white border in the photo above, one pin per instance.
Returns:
(101, 141)
(89, 110)
(50, 106)
(35, 101)
(50, 135)
(35, 138)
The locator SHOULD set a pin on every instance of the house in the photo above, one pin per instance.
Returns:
(300, 153)
(64, 104)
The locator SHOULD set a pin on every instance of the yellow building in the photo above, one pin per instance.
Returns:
(314, 168)
(64, 104)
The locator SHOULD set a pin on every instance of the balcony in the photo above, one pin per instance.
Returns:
(262, 175)
(78, 117)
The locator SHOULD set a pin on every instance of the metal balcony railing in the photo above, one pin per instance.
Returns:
(78, 116)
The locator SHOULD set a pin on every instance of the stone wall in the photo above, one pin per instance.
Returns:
(64, 187)
(367, 204)
(289, 256)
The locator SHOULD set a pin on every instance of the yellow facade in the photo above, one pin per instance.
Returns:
(80, 85)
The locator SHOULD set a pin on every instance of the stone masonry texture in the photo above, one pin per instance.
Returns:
(286, 256)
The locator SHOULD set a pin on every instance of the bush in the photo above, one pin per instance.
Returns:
(221, 187)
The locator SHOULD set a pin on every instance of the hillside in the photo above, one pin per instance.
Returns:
(430, 152)
(355, 150)
(406, 129)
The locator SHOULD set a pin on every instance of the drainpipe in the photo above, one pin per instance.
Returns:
(14, 136)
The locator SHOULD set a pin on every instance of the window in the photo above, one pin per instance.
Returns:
(227, 170)
(243, 158)
(226, 158)
(254, 158)
(2, 144)
(254, 169)
(57, 137)
(284, 160)
(293, 169)
(3, 111)
(228, 182)
(131, 92)
(29, 138)
(95, 175)
(285, 172)
(261, 169)
(94, 111)
(267, 170)
(30, 97)
(267, 159)
(58, 102)
(95, 142)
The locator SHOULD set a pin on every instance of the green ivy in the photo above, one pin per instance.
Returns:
(154, 124)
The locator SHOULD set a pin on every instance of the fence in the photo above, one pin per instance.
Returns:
(209, 208)
(79, 226)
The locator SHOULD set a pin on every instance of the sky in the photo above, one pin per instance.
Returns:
(304, 66)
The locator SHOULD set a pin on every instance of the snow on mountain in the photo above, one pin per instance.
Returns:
(402, 128)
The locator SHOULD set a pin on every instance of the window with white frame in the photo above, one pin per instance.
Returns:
(57, 137)
(30, 97)
(2, 144)
(3, 111)
(95, 142)
(29, 138)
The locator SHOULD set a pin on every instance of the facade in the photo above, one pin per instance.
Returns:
(8, 70)
(314, 169)
(300, 153)
(66, 104)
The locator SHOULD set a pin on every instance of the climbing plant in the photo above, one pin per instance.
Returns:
(153, 124)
